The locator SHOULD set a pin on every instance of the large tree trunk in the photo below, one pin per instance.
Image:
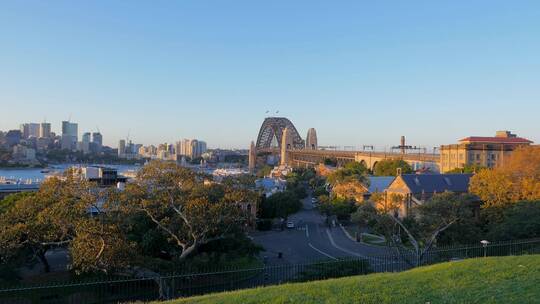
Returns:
(188, 250)
(41, 256)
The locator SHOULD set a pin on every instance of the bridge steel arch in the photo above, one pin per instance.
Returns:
(274, 126)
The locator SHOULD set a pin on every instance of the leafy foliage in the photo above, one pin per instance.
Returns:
(339, 207)
(50, 218)
(353, 171)
(415, 235)
(99, 247)
(467, 169)
(518, 179)
(189, 212)
(389, 167)
(10, 200)
(518, 221)
(264, 171)
(330, 162)
(281, 204)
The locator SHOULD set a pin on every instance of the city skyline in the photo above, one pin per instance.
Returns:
(360, 74)
(129, 137)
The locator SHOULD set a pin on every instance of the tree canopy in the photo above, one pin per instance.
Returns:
(54, 216)
(517, 179)
(467, 169)
(165, 215)
(415, 235)
(280, 204)
(388, 167)
(189, 212)
(353, 171)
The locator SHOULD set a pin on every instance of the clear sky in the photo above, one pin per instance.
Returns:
(360, 72)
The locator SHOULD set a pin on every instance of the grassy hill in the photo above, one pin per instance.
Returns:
(483, 280)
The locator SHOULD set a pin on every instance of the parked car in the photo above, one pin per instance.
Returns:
(290, 225)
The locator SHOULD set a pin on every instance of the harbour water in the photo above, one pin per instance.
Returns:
(38, 174)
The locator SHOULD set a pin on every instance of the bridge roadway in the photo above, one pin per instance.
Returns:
(307, 158)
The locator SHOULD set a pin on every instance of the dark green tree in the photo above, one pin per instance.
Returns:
(353, 171)
(389, 167)
(519, 221)
(281, 204)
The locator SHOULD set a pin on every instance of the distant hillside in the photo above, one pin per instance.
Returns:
(482, 280)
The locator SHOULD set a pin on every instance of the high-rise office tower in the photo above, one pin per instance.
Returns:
(69, 135)
(121, 147)
(85, 142)
(29, 130)
(45, 130)
(97, 138)
(97, 142)
(194, 148)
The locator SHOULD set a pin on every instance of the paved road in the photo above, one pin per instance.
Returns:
(311, 240)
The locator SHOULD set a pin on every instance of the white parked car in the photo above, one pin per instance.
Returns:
(290, 225)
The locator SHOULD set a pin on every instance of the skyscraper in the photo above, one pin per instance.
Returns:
(191, 148)
(45, 130)
(121, 147)
(29, 130)
(178, 148)
(201, 148)
(13, 137)
(69, 135)
(85, 142)
(194, 146)
(97, 142)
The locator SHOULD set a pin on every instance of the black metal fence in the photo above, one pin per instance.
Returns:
(115, 290)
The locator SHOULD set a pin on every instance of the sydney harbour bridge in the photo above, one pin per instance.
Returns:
(297, 152)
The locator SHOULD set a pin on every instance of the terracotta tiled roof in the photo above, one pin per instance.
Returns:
(499, 140)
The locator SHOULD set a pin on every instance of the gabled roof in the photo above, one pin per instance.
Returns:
(498, 140)
(379, 183)
(430, 183)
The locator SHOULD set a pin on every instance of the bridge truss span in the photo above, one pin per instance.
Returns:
(272, 128)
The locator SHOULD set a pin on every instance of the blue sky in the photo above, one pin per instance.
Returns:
(360, 72)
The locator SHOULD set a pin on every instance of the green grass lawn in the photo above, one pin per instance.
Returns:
(483, 280)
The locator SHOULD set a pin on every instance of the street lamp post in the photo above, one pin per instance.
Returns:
(485, 244)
